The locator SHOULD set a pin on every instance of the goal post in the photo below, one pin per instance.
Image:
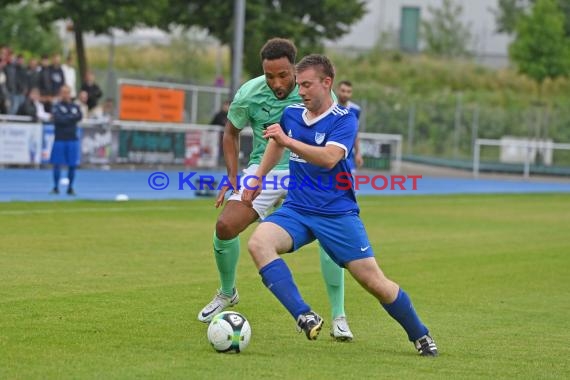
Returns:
(529, 147)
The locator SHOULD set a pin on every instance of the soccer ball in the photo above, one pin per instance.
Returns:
(229, 331)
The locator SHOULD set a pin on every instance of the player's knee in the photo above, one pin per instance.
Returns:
(255, 245)
(225, 230)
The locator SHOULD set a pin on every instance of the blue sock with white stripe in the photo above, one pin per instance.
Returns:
(278, 279)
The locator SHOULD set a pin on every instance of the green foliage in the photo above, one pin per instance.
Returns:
(21, 29)
(444, 33)
(305, 22)
(509, 12)
(541, 48)
(100, 16)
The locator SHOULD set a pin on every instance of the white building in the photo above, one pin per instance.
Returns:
(385, 16)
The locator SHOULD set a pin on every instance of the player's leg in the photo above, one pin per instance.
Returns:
(395, 301)
(57, 158)
(281, 233)
(357, 256)
(72, 158)
(334, 282)
(56, 178)
(234, 218)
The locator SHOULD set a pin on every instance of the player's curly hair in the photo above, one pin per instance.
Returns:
(319, 62)
(277, 48)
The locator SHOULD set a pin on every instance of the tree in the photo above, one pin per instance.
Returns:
(509, 11)
(541, 48)
(444, 33)
(307, 22)
(21, 29)
(100, 16)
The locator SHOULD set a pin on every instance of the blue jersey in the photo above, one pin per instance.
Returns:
(355, 109)
(315, 189)
(65, 119)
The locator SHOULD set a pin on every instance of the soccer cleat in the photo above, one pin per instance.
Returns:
(70, 191)
(426, 346)
(217, 305)
(311, 323)
(55, 190)
(340, 330)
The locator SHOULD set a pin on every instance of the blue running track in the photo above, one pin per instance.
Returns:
(34, 185)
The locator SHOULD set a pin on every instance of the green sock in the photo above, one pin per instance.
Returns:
(334, 280)
(227, 255)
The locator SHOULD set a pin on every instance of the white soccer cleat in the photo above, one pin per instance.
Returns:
(217, 305)
(340, 330)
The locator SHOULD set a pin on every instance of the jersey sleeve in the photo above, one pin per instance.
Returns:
(344, 133)
(238, 113)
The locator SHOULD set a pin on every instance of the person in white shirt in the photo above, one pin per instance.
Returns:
(69, 75)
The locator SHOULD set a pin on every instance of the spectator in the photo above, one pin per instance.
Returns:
(33, 74)
(56, 74)
(93, 90)
(69, 74)
(3, 90)
(221, 117)
(105, 114)
(13, 85)
(45, 84)
(33, 107)
(81, 101)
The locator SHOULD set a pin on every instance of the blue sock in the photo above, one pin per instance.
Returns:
(278, 279)
(56, 176)
(71, 175)
(403, 311)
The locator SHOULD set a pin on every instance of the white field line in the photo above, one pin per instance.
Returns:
(60, 210)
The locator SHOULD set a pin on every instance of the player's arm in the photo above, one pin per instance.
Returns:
(230, 145)
(271, 157)
(326, 156)
(60, 116)
(357, 155)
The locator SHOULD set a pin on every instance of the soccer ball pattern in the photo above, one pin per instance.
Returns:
(229, 331)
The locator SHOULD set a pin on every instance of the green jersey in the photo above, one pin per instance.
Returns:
(256, 105)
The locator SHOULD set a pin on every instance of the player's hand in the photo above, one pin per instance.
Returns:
(251, 192)
(358, 160)
(275, 132)
(222, 194)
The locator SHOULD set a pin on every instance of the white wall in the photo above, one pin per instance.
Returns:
(384, 15)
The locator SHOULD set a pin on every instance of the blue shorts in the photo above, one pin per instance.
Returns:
(342, 236)
(65, 153)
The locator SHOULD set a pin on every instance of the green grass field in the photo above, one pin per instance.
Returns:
(111, 291)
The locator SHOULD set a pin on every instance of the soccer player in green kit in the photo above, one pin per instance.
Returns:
(260, 102)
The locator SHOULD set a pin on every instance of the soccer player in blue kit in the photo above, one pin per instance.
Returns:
(320, 135)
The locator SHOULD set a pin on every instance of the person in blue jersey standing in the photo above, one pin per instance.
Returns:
(344, 95)
(320, 135)
(65, 151)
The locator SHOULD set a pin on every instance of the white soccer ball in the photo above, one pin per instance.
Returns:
(122, 198)
(64, 181)
(229, 331)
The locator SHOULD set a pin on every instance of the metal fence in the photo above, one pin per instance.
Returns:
(447, 129)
